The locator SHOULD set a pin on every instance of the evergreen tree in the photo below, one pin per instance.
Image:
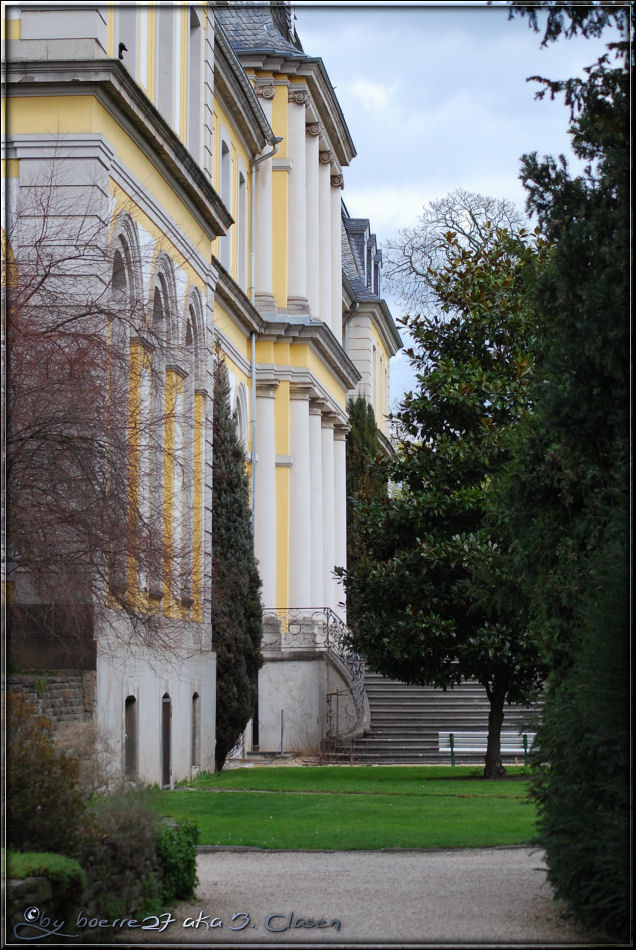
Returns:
(236, 606)
(365, 481)
(435, 599)
(567, 494)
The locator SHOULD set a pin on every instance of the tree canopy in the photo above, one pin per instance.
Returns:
(438, 601)
(566, 492)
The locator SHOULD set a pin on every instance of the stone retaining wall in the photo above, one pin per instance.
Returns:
(65, 696)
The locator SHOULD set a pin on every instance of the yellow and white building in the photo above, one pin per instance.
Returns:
(212, 150)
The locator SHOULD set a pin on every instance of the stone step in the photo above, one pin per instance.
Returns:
(405, 721)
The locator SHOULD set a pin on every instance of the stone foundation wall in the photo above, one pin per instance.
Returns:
(65, 697)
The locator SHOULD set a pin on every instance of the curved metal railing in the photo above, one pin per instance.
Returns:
(321, 629)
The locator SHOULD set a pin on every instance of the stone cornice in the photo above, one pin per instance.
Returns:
(383, 322)
(323, 342)
(385, 445)
(379, 314)
(235, 302)
(312, 70)
(319, 399)
(112, 85)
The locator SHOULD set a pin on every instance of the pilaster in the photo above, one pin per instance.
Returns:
(265, 477)
(297, 228)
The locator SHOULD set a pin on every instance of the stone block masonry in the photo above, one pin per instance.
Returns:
(65, 697)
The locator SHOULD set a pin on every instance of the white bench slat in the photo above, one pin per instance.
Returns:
(478, 741)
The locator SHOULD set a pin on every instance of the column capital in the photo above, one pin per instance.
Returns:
(337, 181)
(267, 390)
(264, 89)
(340, 432)
(329, 420)
(299, 96)
(313, 128)
(325, 157)
(300, 390)
(317, 407)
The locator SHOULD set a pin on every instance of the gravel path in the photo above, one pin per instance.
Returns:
(487, 897)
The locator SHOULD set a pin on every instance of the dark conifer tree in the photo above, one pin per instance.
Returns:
(568, 486)
(236, 606)
(365, 479)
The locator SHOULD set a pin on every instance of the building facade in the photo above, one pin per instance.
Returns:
(208, 150)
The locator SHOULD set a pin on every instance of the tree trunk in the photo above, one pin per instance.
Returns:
(494, 767)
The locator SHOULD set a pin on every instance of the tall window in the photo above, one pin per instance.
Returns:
(241, 236)
(194, 85)
(226, 196)
(166, 741)
(131, 738)
(196, 731)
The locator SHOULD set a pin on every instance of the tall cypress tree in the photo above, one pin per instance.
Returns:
(236, 606)
(365, 481)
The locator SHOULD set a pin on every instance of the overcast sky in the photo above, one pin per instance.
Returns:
(435, 97)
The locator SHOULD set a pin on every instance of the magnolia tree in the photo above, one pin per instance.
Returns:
(81, 528)
(437, 600)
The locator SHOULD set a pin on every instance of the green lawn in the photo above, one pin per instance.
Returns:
(356, 808)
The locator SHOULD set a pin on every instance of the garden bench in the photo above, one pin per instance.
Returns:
(512, 743)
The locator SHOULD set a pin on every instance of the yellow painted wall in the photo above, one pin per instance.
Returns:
(237, 152)
(75, 114)
(381, 406)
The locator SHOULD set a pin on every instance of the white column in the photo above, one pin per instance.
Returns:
(340, 503)
(336, 258)
(297, 210)
(313, 219)
(299, 500)
(324, 199)
(264, 289)
(265, 516)
(315, 452)
(328, 512)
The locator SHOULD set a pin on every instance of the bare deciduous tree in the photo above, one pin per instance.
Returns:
(468, 215)
(86, 425)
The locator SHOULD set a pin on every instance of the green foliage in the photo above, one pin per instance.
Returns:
(176, 847)
(581, 757)
(45, 809)
(438, 600)
(120, 851)
(66, 873)
(565, 494)
(68, 881)
(236, 606)
(365, 481)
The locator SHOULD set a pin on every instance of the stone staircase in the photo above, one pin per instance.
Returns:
(406, 720)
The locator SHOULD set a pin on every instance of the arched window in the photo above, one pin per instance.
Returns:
(226, 197)
(196, 730)
(131, 738)
(189, 357)
(124, 318)
(241, 236)
(166, 741)
(242, 420)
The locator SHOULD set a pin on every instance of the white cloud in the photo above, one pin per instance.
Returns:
(373, 96)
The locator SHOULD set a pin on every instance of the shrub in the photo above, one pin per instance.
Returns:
(120, 853)
(64, 872)
(176, 847)
(45, 809)
(582, 767)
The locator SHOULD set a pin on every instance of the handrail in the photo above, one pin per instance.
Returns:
(320, 628)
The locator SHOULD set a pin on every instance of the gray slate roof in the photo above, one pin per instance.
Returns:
(355, 232)
(259, 26)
